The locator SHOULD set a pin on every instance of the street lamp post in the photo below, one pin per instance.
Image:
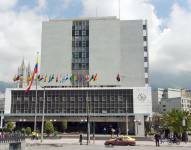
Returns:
(43, 108)
(35, 118)
(88, 119)
(126, 118)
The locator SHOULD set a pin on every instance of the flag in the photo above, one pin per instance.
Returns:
(29, 77)
(92, 77)
(36, 65)
(57, 77)
(86, 76)
(72, 78)
(46, 78)
(118, 77)
(41, 77)
(33, 75)
(16, 78)
(50, 78)
(75, 77)
(95, 77)
(30, 84)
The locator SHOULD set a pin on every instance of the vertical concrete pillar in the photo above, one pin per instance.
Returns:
(139, 125)
(1, 123)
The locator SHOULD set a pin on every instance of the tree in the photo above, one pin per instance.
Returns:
(23, 130)
(10, 126)
(28, 131)
(173, 120)
(48, 127)
(64, 125)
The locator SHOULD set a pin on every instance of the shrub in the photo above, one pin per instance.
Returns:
(10, 126)
(49, 128)
(28, 131)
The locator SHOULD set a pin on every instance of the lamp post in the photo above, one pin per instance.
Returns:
(137, 123)
(88, 118)
(42, 126)
(126, 118)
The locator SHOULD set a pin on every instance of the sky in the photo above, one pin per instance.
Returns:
(169, 31)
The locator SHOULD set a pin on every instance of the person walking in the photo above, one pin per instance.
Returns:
(157, 138)
(80, 139)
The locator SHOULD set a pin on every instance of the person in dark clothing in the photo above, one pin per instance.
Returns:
(157, 138)
(80, 139)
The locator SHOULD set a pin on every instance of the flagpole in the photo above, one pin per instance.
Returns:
(42, 126)
(35, 108)
(119, 2)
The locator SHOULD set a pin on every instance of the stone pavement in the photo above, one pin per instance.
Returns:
(70, 141)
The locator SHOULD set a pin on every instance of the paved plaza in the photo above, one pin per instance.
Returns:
(101, 147)
(73, 144)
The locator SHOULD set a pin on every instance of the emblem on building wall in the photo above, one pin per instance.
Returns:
(141, 97)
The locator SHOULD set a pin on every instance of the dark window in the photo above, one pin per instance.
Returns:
(145, 49)
(145, 59)
(146, 70)
(145, 38)
(163, 105)
(144, 27)
(146, 80)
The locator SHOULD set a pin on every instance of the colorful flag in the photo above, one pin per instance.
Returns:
(57, 77)
(33, 75)
(16, 78)
(40, 77)
(118, 77)
(86, 76)
(46, 78)
(95, 77)
(92, 77)
(72, 78)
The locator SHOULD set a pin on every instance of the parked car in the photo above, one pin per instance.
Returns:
(121, 141)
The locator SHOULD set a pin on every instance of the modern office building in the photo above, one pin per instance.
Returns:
(114, 50)
(175, 99)
(164, 93)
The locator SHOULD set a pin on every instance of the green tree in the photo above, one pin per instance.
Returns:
(64, 125)
(48, 127)
(10, 126)
(23, 130)
(173, 120)
(28, 131)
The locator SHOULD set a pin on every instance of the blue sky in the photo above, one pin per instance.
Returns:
(56, 8)
(163, 7)
(169, 33)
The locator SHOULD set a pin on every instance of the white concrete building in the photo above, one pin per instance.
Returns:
(182, 103)
(105, 46)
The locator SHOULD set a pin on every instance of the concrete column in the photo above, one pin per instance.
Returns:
(139, 125)
(1, 123)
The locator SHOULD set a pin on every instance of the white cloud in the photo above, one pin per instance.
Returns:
(170, 48)
(7, 4)
(173, 47)
(20, 36)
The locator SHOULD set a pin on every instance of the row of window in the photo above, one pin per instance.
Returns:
(80, 66)
(80, 55)
(80, 32)
(80, 43)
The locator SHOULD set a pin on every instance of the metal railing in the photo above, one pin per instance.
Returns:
(11, 138)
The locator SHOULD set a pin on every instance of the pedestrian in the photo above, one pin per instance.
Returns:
(104, 130)
(157, 138)
(112, 132)
(80, 139)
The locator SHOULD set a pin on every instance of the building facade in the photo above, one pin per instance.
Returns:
(105, 46)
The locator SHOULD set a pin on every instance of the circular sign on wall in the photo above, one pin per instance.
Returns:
(141, 97)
